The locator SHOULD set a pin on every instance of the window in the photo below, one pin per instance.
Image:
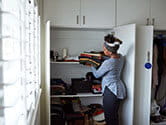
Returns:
(19, 61)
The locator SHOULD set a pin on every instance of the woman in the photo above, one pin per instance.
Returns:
(112, 87)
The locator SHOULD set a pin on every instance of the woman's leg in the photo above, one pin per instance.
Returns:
(111, 107)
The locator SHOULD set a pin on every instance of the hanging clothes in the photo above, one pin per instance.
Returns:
(158, 42)
(160, 91)
(161, 94)
(155, 67)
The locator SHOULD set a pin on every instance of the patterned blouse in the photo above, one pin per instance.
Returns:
(110, 71)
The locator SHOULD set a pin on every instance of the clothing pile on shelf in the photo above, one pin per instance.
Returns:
(74, 113)
(80, 85)
(159, 78)
(57, 112)
(71, 59)
(89, 84)
(91, 58)
(59, 87)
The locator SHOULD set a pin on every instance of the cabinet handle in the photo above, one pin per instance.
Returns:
(148, 56)
(148, 65)
(153, 21)
(147, 23)
(77, 19)
(83, 19)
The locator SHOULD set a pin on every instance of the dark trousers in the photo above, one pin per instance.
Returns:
(111, 107)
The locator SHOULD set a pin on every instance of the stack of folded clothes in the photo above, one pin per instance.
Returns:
(58, 86)
(91, 58)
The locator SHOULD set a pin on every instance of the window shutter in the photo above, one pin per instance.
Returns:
(19, 61)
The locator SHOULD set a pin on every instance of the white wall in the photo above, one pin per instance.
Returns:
(76, 41)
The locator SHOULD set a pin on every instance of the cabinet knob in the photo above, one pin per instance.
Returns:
(153, 21)
(77, 19)
(83, 19)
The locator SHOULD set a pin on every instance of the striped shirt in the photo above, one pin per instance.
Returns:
(110, 71)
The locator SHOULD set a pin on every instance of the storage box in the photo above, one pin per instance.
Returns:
(80, 85)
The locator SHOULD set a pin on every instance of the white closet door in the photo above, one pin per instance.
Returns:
(47, 70)
(143, 76)
(127, 35)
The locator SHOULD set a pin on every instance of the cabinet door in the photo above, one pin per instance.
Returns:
(143, 76)
(98, 13)
(132, 11)
(62, 13)
(127, 35)
(158, 10)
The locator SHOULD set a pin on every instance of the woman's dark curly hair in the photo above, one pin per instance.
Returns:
(111, 39)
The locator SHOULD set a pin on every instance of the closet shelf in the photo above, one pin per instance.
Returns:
(79, 95)
(64, 62)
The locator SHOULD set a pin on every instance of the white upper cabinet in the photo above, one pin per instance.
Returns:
(62, 13)
(149, 12)
(98, 13)
(158, 10)
(80, 13)
(132, 11)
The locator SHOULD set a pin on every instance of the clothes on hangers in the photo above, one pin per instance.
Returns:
(159, 55)
(161, 93)
(155, 67)
(158, 42)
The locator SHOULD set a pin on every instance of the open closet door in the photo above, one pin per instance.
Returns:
(143, 77)
(127, 34)
(47, 70)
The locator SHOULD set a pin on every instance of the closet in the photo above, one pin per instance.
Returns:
(158, 96)
(137, 49)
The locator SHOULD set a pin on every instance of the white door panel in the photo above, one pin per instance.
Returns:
(143, 76)
(127, 35)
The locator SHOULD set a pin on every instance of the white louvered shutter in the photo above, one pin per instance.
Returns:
(19, 61)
